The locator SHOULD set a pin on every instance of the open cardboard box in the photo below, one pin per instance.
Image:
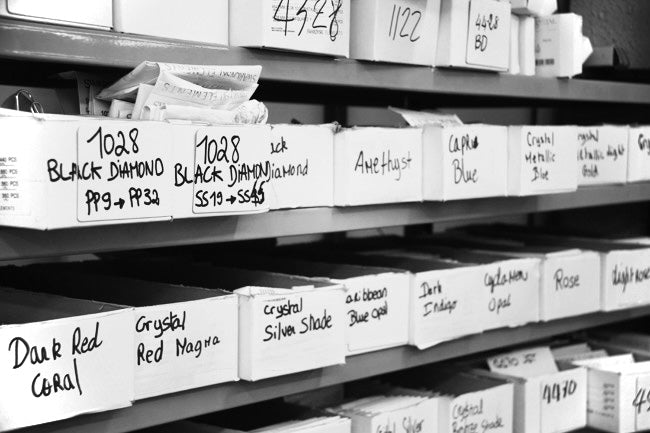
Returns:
(639, 154)
(62, 357)
(465, 161)
(302, 161)
(185, 337)
(287, 324)
(377, 165)
(542, 160)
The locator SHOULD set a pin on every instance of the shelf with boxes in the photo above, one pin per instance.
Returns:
(167, 408)
(99, 48)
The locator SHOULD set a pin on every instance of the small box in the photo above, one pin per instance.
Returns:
(548, 403)
(403, 31)
(187, 335)
(287, 324)
(511, 286)
(639, 154)
(526, 46)
(377, 165)
(474, 34)
(560, 48)
(79, 13)
(602, 155)
(192, 20)
(538, 8)
(315, 26)
(91, 172)
(541, 160)
(514, 66)
(302, 161)
(382, 413)
(221, 170)
(617, 400)
(62, 357)
(461, 162)
(468, 401)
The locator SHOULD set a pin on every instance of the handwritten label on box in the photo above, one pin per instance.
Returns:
(489, 410)
(190, 344)
(377, 311)
(488, 36)
(231, 170)
(66, 367)
(444, 307)
(602, 155)
(307, 22)
(563, 401)
(402, 23)
(122, 171)
(513, 293)
(641, 402)
(524, 363)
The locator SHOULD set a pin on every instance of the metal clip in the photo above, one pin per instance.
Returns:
(35, 107)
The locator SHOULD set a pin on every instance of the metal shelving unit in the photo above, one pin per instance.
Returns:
(192, 403)
(51, 44)
(21, 243)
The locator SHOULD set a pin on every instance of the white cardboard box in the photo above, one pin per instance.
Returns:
(402, 31)
(548, 403)
(302, 166)
(512, 286)
(185, 337)
(618, 394)
(560, 47)
(602, 154)
(377, 165)
(639, 154)
(541, 160)
(80, 13)
(315, 26)
(220, 170)
(466, 161)
(470, 402)
(474, 34)
(399, 413)
(68, 171)
(191, 20)
(538, 8)
(526, 45)
(86, 347)
(514, 65)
